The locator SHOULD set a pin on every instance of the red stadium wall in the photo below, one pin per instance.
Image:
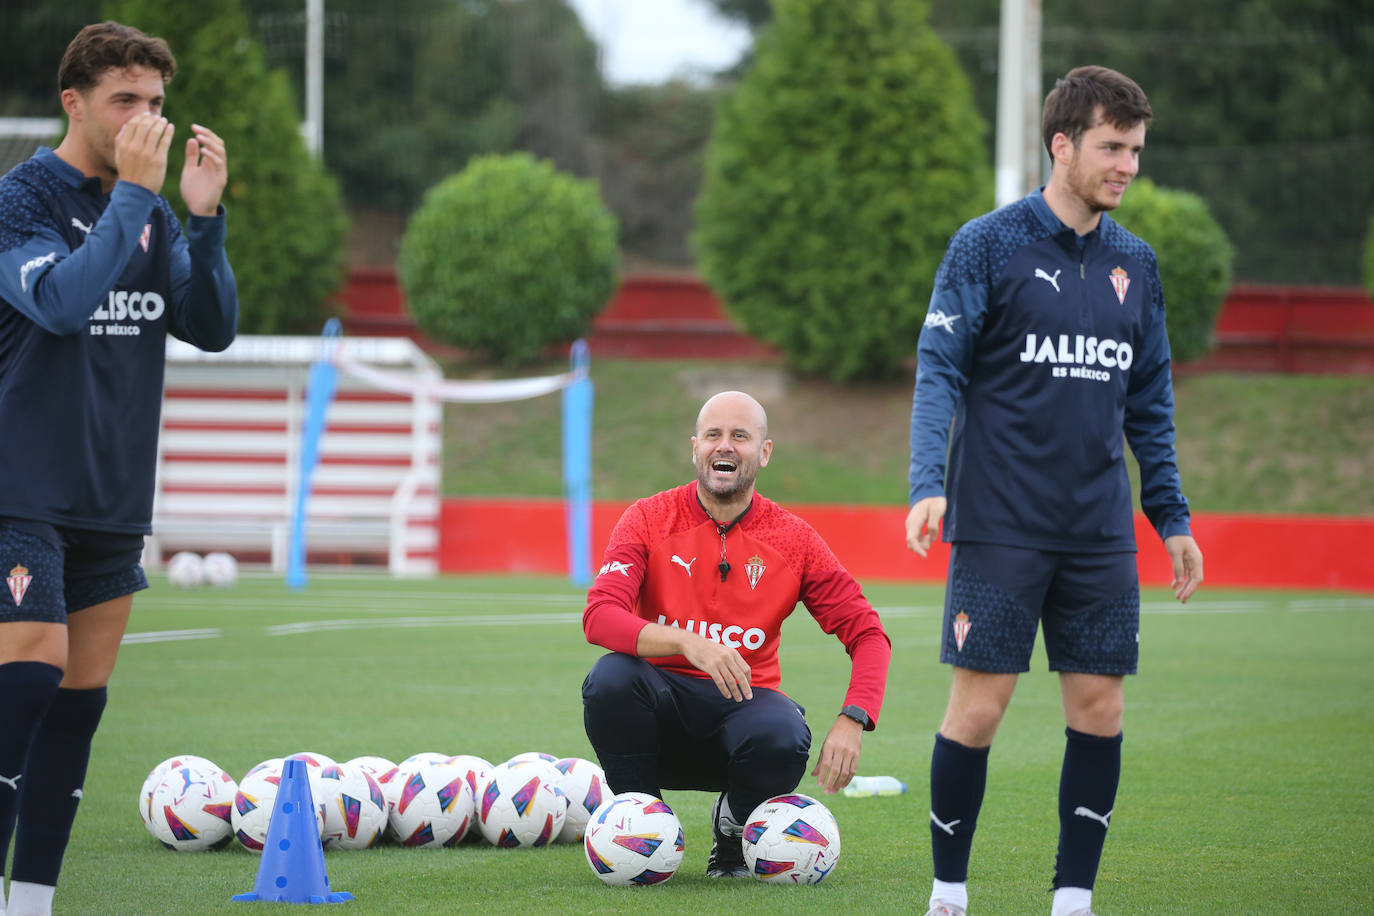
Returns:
(1260, 329)
(527, 536)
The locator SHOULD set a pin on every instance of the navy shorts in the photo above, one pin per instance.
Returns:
(51, 571)
(997, 596)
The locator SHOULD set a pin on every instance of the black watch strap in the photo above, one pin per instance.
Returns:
(856, 713)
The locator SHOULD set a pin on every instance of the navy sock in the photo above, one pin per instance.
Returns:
(1087, 793)
(958, 775)
(28, 689)
(57, 769)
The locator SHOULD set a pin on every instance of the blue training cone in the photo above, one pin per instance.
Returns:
(292, 868)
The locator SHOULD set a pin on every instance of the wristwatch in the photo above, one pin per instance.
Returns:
(856, 713)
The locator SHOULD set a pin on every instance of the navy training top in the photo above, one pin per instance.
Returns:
(90, 285)
(1043, 347)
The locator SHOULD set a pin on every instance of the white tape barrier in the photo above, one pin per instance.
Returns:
(462, 391)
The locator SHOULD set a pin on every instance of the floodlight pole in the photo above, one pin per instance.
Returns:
(313, 128)
(1018, 100)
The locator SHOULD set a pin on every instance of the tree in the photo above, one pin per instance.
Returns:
(508, 256)
(848, 155)
(286, 222)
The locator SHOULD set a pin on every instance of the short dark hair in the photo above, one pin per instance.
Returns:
(111, 46)
(1071, 107)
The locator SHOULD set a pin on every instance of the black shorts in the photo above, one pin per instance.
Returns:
(997, 596)
(51, 571)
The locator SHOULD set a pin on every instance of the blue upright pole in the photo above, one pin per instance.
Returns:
(320, 391)
(577, 464)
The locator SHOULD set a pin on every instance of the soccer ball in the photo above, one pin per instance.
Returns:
(190, 808)
(255, 800)
(221, 570)
(431, 805)
(475, 770)
(522, 804)
(355, 811)
(186, 570)
(585, 785)
(145, 794)
(791, 839)
(533, 755)
(633, 839)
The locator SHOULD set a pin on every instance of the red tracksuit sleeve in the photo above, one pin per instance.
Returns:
(839, 606)
(609, 619)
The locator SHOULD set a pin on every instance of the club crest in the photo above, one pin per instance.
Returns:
(18, 581)
(1121, 281)
(754, 570)
(961, 627)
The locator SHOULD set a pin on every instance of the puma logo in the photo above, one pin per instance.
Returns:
(1052, 281)
(12, 781)
(76, 794)
(947, 828)
(684, 564)
(1100, 818)
(82, 226)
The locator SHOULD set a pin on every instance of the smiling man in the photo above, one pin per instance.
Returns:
(696, 584)
(1058, 352)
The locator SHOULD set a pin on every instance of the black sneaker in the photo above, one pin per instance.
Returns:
(727, 847)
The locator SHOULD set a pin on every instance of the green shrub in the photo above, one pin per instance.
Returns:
(1195, 260)
(848, 155)
(286, 223)
(507, 256)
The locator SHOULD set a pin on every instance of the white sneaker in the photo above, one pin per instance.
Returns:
(1083, 912)
(941, 908)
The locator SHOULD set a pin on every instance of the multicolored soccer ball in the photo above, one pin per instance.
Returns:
(430, 805)
(791, 839)
(585, 785)
(355, 811)
(189, 808)
(522, 804)
(145, 794)
(633, 839)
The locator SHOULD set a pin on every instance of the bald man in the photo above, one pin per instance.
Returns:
(695, 585)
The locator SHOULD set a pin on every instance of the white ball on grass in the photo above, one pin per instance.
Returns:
(585, 785)
(186, 570)
(633, 839)
(190, 808)
(221, 570)
(791, 839)
(522, 804)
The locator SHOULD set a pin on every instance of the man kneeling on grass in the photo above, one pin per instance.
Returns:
(690, 600)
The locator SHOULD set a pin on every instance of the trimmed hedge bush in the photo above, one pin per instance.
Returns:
(839, 168)
(1195, 260)
(507, 256)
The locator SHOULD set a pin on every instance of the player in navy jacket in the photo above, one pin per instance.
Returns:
(1044, 346)
(95, 271)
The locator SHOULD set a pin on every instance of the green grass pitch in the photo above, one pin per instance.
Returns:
(1248, 782)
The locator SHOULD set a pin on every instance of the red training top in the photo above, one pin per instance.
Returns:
(663, 565)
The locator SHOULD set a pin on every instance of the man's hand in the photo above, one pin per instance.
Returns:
(141, 150)
(1187, 559)
(839, 759)
(725, 666)
(205, 173)
(923, 523)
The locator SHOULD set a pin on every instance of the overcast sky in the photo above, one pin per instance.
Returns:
(648, 41)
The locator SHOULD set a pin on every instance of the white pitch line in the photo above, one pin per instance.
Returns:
(168, 636)
(316, 626)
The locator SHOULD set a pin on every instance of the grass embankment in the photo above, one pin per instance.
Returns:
(1247, 443)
